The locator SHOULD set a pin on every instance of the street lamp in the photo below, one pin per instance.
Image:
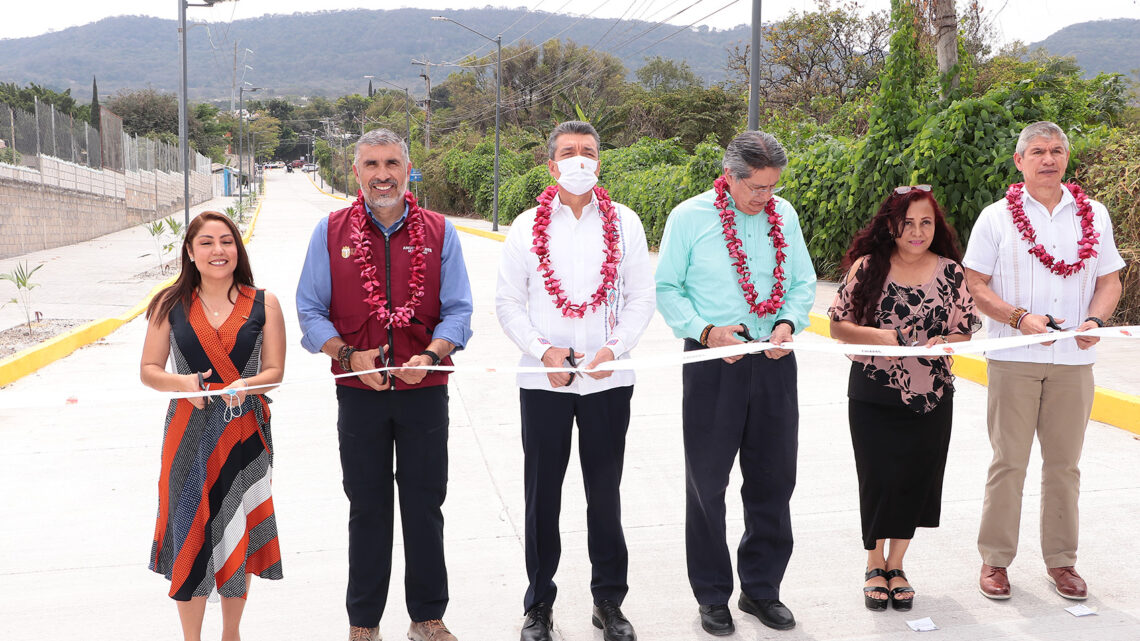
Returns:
(183, 117)
(241, 134)
(498, 40)
(407, 106)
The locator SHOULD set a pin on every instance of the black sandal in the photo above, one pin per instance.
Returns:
(897, 603)
(870, 601)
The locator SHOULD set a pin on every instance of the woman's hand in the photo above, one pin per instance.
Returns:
(237, 398)
(189, 383)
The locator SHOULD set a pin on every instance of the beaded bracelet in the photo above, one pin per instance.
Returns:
(1016, 316)
(705, 334)
(344, 357)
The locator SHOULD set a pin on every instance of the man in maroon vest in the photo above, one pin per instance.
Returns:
(384, 284)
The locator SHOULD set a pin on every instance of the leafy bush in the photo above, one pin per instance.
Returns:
(519, 193)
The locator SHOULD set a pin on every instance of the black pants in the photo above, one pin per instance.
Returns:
(371, 424)
(547, 424)
(749, 407)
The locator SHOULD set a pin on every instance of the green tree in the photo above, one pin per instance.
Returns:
(24, 98)
(666, 74)
(146, 111)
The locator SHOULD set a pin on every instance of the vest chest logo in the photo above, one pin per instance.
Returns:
(345, 251)
(411, 249)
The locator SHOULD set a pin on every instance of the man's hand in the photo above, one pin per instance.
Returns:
(1085, 342)
(781, 334)
(366, 359)
(413, 376)
(723, 337)
(604, 354)
(556, 357)
(1037, 324)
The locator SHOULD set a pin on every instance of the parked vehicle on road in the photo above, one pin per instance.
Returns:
(309, 166)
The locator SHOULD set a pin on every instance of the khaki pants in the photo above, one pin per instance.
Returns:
(1054, 402)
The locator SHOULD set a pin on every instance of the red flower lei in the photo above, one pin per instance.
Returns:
(541, 247)
(736, 251)
(362, 250)
(1086, 244)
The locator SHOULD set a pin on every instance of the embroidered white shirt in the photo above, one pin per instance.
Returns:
(996, 248)
(527, 312)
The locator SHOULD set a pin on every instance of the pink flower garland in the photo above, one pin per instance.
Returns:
(541, 247)
(374, 294)
(739, 258)
(1089, 234)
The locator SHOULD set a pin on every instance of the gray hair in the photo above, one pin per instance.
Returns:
(377, 137)
(753, 150)
(1040, 129)
(571, 127)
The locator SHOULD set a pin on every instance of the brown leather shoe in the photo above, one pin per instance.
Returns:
(431, 630)
(1069, 584)
(994, 583)
(358, 633)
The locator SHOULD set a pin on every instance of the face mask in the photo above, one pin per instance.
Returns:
(576, 175)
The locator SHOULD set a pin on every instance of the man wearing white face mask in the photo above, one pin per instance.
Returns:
(575, 282)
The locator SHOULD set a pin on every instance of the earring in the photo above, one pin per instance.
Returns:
(191, 259)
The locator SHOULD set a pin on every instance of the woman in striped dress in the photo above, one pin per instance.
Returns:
(215, 526)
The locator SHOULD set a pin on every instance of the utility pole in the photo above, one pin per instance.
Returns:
(426, 75)
(754, 72)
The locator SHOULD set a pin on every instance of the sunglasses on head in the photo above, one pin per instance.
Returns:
(906, 189)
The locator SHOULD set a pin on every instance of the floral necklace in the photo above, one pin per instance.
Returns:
(739, 258)
(541, 247)
(1085, 245)
(362, 250)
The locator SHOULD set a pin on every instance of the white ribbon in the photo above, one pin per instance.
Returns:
(696, 356)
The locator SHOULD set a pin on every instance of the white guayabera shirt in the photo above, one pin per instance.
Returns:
(1017, 277)
(577, 248)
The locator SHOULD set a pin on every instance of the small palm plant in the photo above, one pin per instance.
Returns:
(21, 276)
(157, 229)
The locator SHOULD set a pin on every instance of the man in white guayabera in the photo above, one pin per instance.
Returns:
(1041, 258)
(575, 288)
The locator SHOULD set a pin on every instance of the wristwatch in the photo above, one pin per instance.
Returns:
(432, 355)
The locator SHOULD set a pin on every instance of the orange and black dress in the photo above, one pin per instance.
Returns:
(215, 512)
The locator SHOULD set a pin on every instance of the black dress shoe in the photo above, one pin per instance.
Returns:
(717, 620)
(613, 624)
(539, 621)
(771, 612)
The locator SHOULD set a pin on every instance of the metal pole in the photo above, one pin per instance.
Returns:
(183, 144)
(408, 115)
(344, 152)
(241, 139)
(754, 72)
(498, 108)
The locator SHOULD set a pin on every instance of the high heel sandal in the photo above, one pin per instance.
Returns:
(897, 603)
(870, 601)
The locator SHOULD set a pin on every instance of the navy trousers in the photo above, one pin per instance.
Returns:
(371, 425)
(749, 407)
(547, 425)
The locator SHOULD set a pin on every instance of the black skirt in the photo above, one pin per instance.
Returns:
(900, 457)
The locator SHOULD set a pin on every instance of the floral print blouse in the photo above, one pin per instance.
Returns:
(939, 307)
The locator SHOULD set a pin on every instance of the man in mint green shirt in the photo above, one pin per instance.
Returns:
(733, 266)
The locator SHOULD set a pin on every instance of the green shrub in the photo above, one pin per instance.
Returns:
(519, 193)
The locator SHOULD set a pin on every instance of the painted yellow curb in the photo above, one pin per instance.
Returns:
(493, 235)
(26, 361)
(314, 184)
(1111, 407)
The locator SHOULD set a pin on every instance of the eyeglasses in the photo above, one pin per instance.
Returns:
(909, 188)
(763, 189)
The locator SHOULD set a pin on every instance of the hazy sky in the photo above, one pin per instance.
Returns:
(1026, 20)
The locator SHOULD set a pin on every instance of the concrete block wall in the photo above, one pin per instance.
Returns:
(62, 203)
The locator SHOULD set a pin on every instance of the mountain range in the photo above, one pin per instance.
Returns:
(329, 52)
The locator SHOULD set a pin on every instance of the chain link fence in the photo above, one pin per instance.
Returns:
(25, 136)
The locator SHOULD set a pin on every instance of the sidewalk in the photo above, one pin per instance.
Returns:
(80, 501)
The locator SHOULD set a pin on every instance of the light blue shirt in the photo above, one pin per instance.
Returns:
(314, 289)
(697, 284)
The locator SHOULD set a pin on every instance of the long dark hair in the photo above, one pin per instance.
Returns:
(189, 279)
(876, 241)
